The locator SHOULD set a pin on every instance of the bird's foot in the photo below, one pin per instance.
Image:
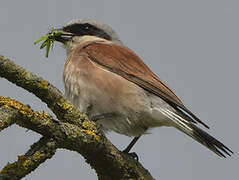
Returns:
(132, 155)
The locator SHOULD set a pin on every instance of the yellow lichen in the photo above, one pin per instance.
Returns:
(44, 115)
(90, 128)
(66, 106)
(16, 167)
(6, 107)
(26, 110)
(44, 84)
(8, 103)
(9, 168)
(23, 161)
(89, 125)
(86, 124)
(97, 138)
(37, 155)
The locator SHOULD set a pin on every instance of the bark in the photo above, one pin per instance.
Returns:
(72, 131)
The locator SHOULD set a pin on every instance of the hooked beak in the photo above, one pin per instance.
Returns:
(64, 37)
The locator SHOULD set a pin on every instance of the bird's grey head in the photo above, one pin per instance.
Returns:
(82, 28)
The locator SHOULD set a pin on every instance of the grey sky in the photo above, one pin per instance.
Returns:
(191, 45)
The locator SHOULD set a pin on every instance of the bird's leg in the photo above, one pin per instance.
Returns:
(102, 116)
(129, 147)
(88, 110)
(131, 144)
(97, 117)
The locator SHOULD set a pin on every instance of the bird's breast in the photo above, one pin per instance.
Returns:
(97, 91)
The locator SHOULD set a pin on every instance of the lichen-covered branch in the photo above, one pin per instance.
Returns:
(87, 140)
(73, 132)
(39, 152)
(40, 88)
(5, 122)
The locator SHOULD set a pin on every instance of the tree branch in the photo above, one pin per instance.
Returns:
(88, 141)
(5, 122)
(39, 152)
(42, 89)
(74, 132)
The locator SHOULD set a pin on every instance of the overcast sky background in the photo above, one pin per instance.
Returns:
(191, 45)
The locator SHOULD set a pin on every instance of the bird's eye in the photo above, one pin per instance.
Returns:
(87, 26)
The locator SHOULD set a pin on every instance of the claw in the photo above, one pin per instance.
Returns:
(132, 155)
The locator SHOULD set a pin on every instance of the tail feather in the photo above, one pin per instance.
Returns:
(196, 133)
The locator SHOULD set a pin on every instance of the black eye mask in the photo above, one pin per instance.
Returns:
(86, 29)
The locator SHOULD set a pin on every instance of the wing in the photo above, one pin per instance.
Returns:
(126, 63)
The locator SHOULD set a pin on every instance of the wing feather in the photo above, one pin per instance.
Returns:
(126, 63)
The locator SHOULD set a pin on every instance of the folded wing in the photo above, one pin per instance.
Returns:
(126, 63)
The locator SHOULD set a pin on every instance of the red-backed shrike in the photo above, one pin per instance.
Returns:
(114, 87)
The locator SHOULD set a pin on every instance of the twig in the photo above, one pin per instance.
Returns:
(38, 153)
(42, 89)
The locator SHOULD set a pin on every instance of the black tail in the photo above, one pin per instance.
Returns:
(198, 134)
(208, 141)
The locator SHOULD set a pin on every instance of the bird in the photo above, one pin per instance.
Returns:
(112, 85)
